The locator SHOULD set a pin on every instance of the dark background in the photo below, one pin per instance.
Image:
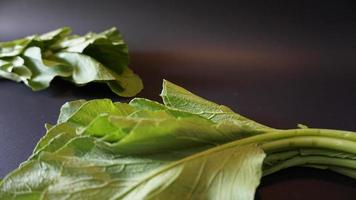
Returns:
(278, 62)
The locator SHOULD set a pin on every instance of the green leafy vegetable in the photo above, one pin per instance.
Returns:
(95, 57)
(186, 148)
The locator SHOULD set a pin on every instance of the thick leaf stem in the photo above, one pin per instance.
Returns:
(310, 142)
(312, 160)
(293, 133)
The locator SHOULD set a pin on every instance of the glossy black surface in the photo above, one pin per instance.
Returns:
(278, 63)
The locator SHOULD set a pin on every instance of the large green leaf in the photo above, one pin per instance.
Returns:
(81, 170)
(146, 150)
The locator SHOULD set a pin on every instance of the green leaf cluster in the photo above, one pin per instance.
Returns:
(186, 148)
(94, 57)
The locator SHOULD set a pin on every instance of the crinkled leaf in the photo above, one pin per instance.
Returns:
(43, 71)
(107, 47)
(81, 59)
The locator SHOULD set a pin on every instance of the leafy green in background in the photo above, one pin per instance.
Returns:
(186, 148)
(101, 57)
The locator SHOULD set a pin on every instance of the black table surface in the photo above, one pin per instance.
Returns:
(277, 63)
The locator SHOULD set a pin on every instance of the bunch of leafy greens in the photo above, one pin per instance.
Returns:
(186, 148)
(102, 57)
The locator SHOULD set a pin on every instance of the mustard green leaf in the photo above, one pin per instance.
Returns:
(82, 170)
(107, 47)
(143, 149)
(94, 57)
